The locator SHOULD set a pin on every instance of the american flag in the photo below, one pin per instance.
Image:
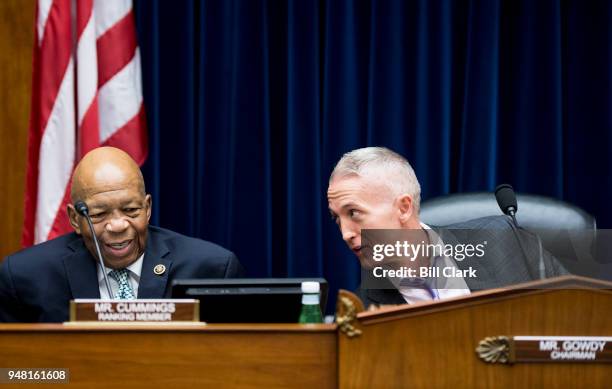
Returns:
(86, 92)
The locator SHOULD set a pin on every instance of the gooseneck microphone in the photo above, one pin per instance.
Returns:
(81, 208)
(506, 199)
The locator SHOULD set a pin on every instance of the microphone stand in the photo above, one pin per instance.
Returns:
(507, 203)
(81, 208)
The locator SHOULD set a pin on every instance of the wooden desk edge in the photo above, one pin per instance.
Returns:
(484, 297)
(173, 327)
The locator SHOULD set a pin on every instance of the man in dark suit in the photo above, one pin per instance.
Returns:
(375, 188)
(36, 284)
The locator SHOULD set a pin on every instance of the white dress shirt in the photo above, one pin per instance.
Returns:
(442, 287)
(134, 271)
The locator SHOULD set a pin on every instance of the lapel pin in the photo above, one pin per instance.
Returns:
(159, 269)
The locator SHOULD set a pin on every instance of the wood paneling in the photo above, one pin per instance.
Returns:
(433, 345)
(175, 356)
(16, 42)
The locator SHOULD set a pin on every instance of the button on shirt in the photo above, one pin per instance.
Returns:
(440, 287)
(134, 271)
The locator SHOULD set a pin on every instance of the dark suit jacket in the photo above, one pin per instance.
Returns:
(503, 263)
(37, 283)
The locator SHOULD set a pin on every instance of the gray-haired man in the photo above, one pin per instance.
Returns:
(376, 188)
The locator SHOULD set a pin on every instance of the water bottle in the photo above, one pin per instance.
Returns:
(311, 310)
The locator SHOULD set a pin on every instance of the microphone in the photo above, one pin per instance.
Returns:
(81, 208)
(506, 199)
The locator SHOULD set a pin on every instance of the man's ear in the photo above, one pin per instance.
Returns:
(149, 203)
(405, 207)
(73, 216)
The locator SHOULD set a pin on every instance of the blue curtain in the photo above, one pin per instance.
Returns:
(250, 103)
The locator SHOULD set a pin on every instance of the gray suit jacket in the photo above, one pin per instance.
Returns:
(503, 263)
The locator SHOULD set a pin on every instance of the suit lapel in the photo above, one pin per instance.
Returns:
(385, 296)
(157, 253)
(383, 293)
(484, 279)
(81, 271)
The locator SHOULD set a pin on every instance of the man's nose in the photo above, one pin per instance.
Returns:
(117, 224)
(348, 234)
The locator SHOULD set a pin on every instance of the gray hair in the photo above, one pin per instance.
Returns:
(382, 163)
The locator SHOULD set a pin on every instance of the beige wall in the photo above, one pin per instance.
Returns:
(16, 41)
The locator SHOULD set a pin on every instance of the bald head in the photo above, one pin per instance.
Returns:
(104, 169)
(111, 184)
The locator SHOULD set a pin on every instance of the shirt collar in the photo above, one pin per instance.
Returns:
(433, 236)
(433, 239)
(455, 285)
(440, 261)
(135, 269)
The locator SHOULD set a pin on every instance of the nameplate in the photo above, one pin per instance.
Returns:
(581, 349)
(142, 310)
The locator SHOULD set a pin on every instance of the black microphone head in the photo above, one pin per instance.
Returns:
(506, 198)
(81, 208)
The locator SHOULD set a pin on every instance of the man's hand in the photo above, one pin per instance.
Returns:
(377, 307)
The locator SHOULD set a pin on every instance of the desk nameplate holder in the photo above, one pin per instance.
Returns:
(516, 349)
(135, 311)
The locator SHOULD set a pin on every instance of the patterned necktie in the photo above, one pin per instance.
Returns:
(125, 291)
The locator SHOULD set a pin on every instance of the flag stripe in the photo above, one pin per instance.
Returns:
(31, 189)
(125, 87)
(56, 157)
(87, 83)
(135, 129)
(89, 131)
(116, 48)
(61, 223)
(84, 15)
(107, 16)
(56, 48)
(44, 7)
